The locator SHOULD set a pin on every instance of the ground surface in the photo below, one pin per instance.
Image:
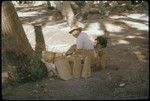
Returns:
(127, 71)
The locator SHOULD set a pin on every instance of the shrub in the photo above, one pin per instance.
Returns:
(26, 69)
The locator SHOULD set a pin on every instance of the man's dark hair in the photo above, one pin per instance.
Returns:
(102, 41)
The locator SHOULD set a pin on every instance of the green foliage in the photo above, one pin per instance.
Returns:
(124, 7)
(27, 69)
(101, 41)
(38, 69)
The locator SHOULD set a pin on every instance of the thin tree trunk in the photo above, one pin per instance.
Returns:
(48, 4)
(68, 13)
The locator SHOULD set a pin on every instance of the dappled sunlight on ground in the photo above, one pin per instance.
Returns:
(123, 42)
(131, 37)
(63, 40)
(93, 26)
(117, 17)
(39, 20)
(61, 48)
(31, 13)
(138, 33)
(127, 19)
(120, 41)
(137, 25)
(58, 27)
(94, 30)
(114, 35)
(29, 31)
(113, 28)
(57, 38)
(138, 16)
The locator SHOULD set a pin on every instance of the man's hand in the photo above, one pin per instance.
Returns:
(71, 50)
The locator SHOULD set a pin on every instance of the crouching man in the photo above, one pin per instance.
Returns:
(84, 49)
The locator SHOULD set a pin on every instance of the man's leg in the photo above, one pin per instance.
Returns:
(103, 59)
(86, 71)
(77, 67)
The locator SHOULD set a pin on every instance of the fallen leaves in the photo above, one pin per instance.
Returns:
(39, 89)
(140, 56)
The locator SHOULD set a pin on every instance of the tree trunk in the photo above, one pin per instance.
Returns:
(86, 9)
(40, 42)
(18, 51)
(13, 31)
(49, 5)
(68, 13)
(57, 4)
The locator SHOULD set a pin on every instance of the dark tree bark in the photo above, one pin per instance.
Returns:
(16, 47)
(13, 31)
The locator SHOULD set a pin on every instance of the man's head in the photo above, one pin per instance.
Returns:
(76, 31)
(101, 42)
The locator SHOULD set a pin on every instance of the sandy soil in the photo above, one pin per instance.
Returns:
(126, 75)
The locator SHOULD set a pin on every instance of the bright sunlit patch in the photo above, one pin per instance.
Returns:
(29, 31)
(139, 26)
(139, 16)
(117, 17)
(61, 48)
(138, 33)
(39, 3)
(93, 30)
(60, 26)
(67, 29)
(123, 42)
(93, 34)
(94, 26)
(131, 37)
(25, 14)
(112, 27)
(57, 38)
(39, 20)
(114, 35)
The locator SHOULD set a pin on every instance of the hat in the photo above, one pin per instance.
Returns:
(75, 28)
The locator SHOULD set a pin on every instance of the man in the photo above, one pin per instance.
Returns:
(84, 49)
(84, 46)
(83, 40)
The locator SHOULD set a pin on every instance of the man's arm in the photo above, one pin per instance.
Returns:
(71, 50)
